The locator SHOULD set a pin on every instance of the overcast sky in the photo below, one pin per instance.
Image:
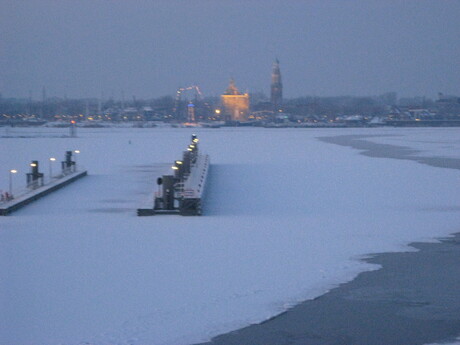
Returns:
(150, 48)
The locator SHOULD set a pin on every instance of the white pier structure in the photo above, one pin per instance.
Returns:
(182, 193)
(36, 191)
(190, 202)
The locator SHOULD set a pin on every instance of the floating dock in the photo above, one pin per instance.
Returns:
(183, 192)
(36, 188)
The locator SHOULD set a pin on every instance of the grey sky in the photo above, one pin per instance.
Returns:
(149, 48)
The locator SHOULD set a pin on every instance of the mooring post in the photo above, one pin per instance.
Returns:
(34, 178)
(186, 161)
(178, 168)
(67, 164)
(168, 192)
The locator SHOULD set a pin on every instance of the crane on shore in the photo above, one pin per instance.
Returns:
(180, 91)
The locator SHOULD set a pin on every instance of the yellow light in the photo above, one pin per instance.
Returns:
(217, 111)
(13, 171)
(192, 146)
(52, 159)
(178, 162)
(189, 149)
(195, 140)
(33, 164)
(77, 151)
(174, 167)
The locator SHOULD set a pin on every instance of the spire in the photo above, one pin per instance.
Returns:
(232, 89)
(276, 74)
(276, 86)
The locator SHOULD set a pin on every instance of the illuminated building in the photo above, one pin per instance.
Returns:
(235, 104)
(191, 112)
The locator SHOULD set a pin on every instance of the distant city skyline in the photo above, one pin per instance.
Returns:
(85, 48)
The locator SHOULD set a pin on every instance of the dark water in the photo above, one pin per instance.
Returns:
(371, 149)
(413, 299)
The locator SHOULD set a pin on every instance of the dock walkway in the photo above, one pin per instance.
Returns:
(31, 195)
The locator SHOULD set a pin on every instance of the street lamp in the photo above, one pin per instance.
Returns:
(12, 171)
(77, 152)
(52, 159)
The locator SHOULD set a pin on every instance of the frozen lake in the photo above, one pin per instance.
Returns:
(287, 218)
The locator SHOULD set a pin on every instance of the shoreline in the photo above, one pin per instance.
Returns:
(412, 299)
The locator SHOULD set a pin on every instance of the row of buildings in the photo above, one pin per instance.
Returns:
(234, 107)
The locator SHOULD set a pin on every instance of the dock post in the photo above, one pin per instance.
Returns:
(168, 192)
(34, 178)
(67, 165)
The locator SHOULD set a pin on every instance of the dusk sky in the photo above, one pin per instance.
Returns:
(150, 48)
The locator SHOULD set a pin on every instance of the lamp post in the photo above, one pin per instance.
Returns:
(32, 183)
(76, 153)
(52, 159)
(12, 171)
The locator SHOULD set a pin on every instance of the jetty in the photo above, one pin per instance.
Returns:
(37, 188)
(183, 191)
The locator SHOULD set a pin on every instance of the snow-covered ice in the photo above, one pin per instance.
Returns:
(457, 342)
(287, 218)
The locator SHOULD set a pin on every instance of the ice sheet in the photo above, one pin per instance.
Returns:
(287, 218)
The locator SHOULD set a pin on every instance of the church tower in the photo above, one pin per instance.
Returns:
(276, 97)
